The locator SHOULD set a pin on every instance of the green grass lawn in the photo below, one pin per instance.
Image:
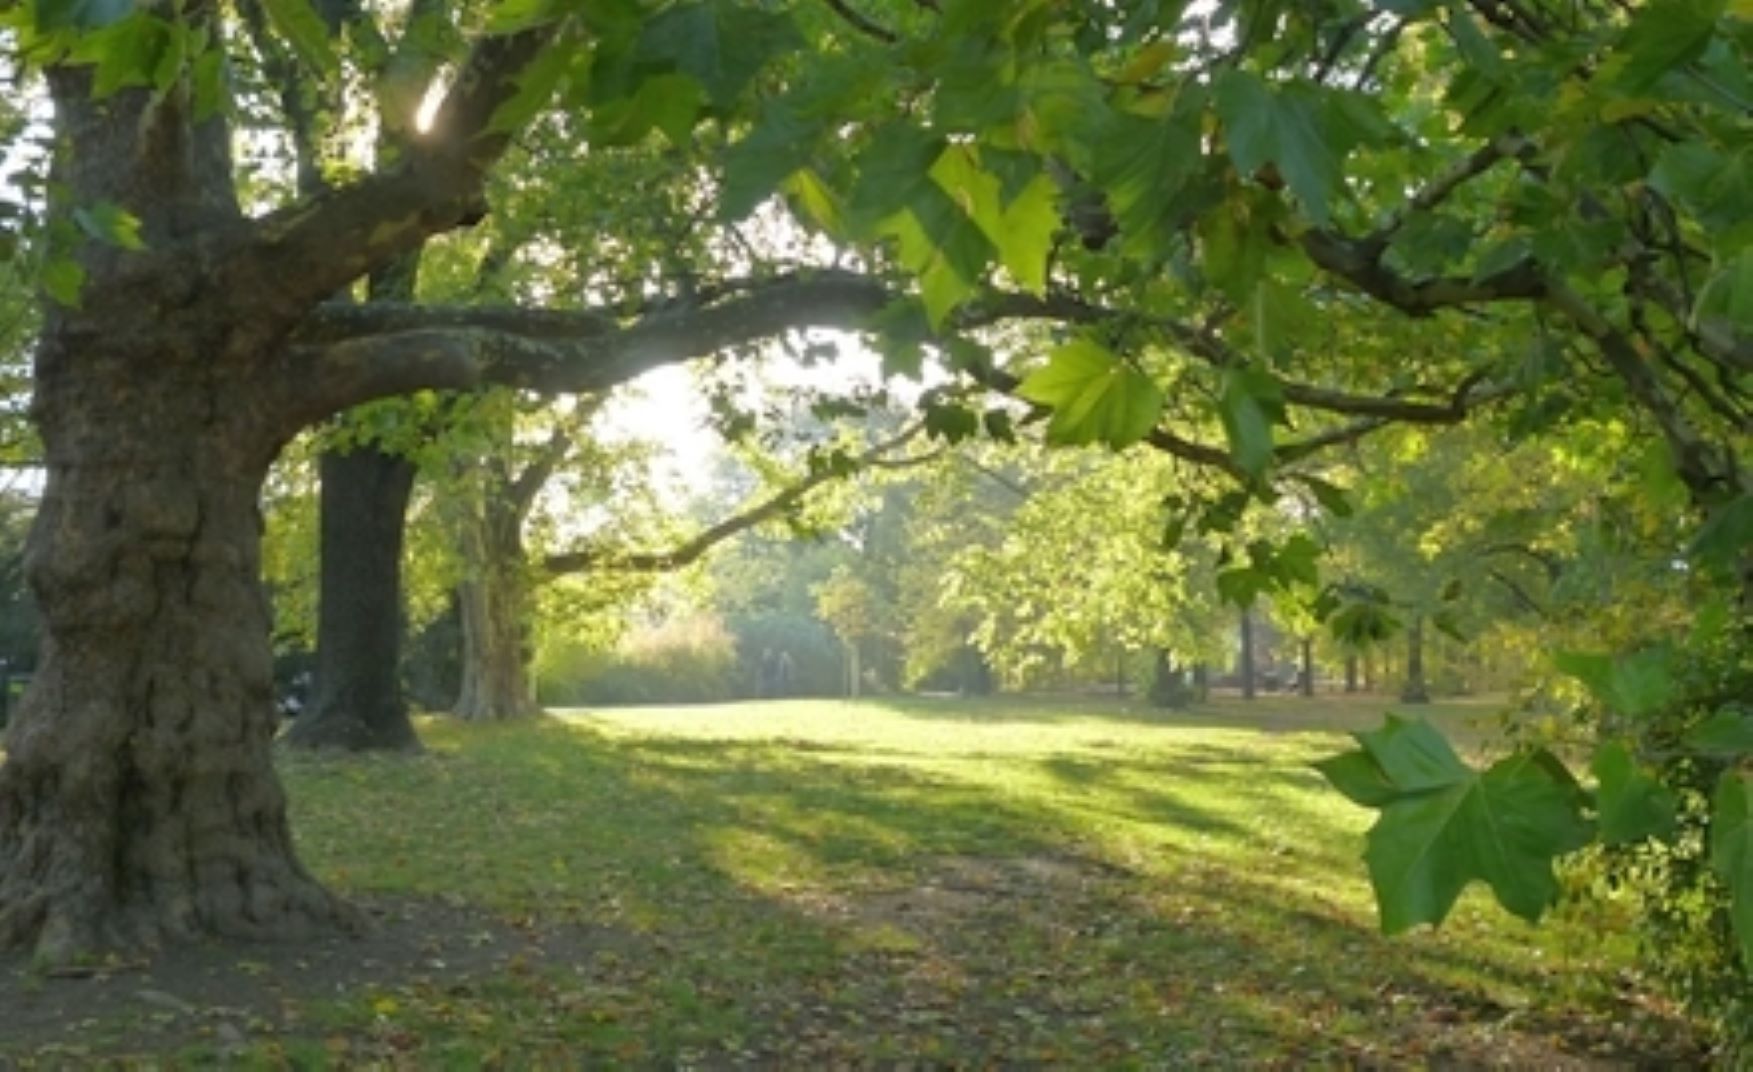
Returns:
(808, 884)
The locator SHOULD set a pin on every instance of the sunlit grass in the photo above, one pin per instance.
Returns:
(974, 880)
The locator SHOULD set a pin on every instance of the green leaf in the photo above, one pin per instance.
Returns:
(1095, 397)
(1249, 400)
(815, 200)
(1729, 292)
(1361, 623)
(1269, 125)
(512, 16)
(757, 166)
(721, 46)
(1731, 851)
(298, 22)
(209, 85)
(1726, 533)
(1663, 35)
(1635, 685)
(536, 85)
(110, 223)
(894, 170)
(1360, 778)
(1630, 804)
(1332, 497)
(62, 279)
(1233, 243)
(1413, 756)
(1141, 165)
(123, 54)
(1240, 586)
(942, 247)
(50, 15)
(1025, 237)
(1727, 734)
(1443, 825)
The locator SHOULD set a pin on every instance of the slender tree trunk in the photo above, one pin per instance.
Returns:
(493, 602)
(1414, 689)
(1308, 673)
(1201, 682)
(1247, 667)
(358, 703)
(1350, 672)
(138, 801)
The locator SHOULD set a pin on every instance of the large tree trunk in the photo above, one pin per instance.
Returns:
(138, 802)
(1306, 680)
(358, 703)
(1351, 671)
(493, 601)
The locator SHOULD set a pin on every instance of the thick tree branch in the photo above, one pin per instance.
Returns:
(298, 256)
(1358, 262)
(690, 551)
(353, 354)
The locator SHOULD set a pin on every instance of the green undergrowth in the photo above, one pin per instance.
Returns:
(808, 883)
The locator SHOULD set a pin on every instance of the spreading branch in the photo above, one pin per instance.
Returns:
(352, 354)
(296, 257)
(775, 506)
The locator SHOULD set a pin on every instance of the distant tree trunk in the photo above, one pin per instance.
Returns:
(1308, 673)
(493, 603)
(1351, 671)
(974, 674)
(358, 702)
(1247, 667)
(1201, 682)
(854, 672)
(1168, 687)
(1414, 689)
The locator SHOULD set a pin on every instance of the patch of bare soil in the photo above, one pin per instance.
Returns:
(228, 994)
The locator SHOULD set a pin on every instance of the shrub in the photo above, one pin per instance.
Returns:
(689, 659)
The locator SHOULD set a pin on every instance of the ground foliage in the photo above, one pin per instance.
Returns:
(807, 883)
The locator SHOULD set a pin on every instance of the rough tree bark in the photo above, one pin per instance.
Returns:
(358, 704)
(138, 802)
(493, 602)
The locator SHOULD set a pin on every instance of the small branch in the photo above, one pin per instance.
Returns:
(1704, 470)
(862, 23)
(521, 492)
(1477, 163)
(690, 551)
